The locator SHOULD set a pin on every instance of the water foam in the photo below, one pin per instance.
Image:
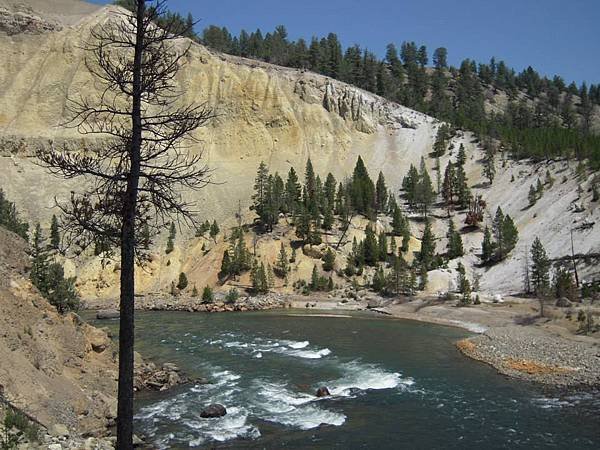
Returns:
(365, 377)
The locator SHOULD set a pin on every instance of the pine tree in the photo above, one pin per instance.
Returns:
(410, 186)
(314, 279)
(498, 229)
(328, 260)
(463, 192)
(510, 235)
(282, 266)
(362, 190)
(378, 280)
(424, 190)
(381, 194)
(171, 239)
(310, 186)
(329, 190)
(382, 246)
(532, 196)
(540, 268)
(54, 233)
(489, 166)
(487, 247)
(398, 222)
(455, 245)
(214, 229)
(225, 265)
(427, 253)
(327, 216)
(371, 247)
(449, 184)
(259, 198)
(293, 192)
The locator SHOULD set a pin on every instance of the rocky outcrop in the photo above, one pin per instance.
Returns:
(24, 21)
(213, 411)
(323, 392)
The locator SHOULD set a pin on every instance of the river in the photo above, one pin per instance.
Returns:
(394, 384)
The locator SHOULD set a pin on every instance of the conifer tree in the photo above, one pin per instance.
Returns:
(207, 295)
(214, 229)
(487, 246)
(410, 185)
(489, 166)
(54, 233)
(259, 198)
(381, 194)
(382, 246)
(371, 247)
(398, 222)
(310, 186)
(424, 190)
(540, 268)
(427, 253)
(378, 280)
(449, 184)
(328, 260)
(532, 196)
(455, 245)
(293, 192)
(314, 279)
(463, 192)
(362, 192)
(327, 216)
(329, 190)
(182, 282)
(225, 265)
(282, 266)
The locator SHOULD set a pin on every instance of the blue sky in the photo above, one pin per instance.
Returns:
(553, 36)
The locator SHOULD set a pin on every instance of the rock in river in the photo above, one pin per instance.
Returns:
(214, 410)
(323, 392)
(108, 314)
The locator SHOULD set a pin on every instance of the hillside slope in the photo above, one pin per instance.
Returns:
(265, 112)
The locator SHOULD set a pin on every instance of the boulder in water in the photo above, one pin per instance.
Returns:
(107, 314)
(323, 392)
(214, 410)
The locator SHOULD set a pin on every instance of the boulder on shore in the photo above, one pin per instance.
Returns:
(108, 314)
(214, 410)
(323, 392)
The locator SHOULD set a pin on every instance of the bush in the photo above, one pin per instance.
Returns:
(232, 296)
(207, 295)
(183, 281)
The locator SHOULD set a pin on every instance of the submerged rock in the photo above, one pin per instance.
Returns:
(323, 392)
(214, 410)
(107, 314)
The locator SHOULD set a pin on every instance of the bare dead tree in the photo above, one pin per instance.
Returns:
(136, 177)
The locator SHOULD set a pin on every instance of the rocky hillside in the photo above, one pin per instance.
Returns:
(265, 112)
(56, 368)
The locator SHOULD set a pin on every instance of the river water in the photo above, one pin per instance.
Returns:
(394, 384)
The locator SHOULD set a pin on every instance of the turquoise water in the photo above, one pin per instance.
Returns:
(394, 384)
